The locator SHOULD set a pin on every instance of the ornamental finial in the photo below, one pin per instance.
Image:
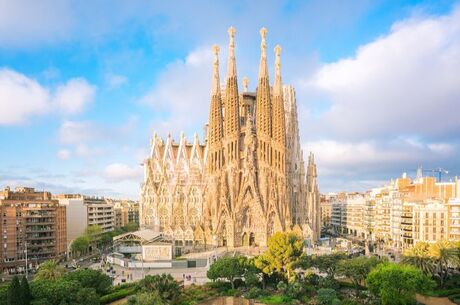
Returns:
(278, 60)
(263, 43)
(245, 83)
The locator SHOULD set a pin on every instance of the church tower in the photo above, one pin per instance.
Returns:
(232, 112)
(216, 133)
(247, 181)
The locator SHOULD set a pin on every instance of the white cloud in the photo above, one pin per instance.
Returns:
(405, 82)
(64, 154)
(180, 92)
(22, 97)
(74, 96)
(357, 158)
(117, 172)
(74, 132)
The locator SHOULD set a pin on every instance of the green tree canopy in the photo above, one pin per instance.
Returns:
(328, 263)
(80, 244)
(228, 268)
(62, 291)
(357, 269)
(283, 254)
(93, 232)
(327, 296)
(89, 278)
(14, 292)
(167, 287)
(49, 270)
(26, 295)
(397, 284)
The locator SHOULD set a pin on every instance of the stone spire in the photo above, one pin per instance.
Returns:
(232, 113)
(313, 198)
(245, 83)
(263, 104)
(216, 132)
(278, 116)
(278, 86)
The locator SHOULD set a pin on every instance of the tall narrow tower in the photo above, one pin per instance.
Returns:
(232, 112)
(278, 118)
(263, 107)
(216, 132)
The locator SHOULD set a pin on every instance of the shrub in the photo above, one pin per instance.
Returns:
(397, 284)
(275, 299)
(326, 296)
(328, 282)
(231, 293)
(282, 287)
(166, 286)
(295, 290)
(254, 293)
(117, 295)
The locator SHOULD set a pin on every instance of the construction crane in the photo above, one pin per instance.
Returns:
(438, 170)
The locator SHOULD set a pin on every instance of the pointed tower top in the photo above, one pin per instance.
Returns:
(216, 81)
(231, 53)
(245, 83)
(263, 70)
(263, 43)
(278, 88)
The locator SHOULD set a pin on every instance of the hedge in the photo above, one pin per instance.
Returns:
(117, 295)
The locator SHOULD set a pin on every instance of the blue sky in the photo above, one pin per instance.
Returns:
(84, 84)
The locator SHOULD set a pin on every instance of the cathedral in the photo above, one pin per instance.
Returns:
(246, 180)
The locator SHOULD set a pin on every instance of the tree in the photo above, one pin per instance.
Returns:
(327, 296)
(357, 269)
(89, 278)
(228, 268)
(80, 244)
(444, 254)
(26, 295)
(420, 257)
(397, 284)
(434, 259)
(14, 292)
(63, 291)
(328, 263)
(167, 287)
(283, 254)
(49, 270)
(93, 232)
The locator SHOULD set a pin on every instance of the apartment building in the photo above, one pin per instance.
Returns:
(126, 211)
(326, 209)
(453, 218)
(33, 228)
(83, 211)
(100, 212)
(402, 213)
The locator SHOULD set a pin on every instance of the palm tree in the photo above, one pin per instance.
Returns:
(419, 256)
(445, 255)
(49, 270)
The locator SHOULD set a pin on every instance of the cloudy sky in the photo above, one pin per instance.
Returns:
(84, 84)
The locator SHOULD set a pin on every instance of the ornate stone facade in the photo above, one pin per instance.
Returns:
(247, 180)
